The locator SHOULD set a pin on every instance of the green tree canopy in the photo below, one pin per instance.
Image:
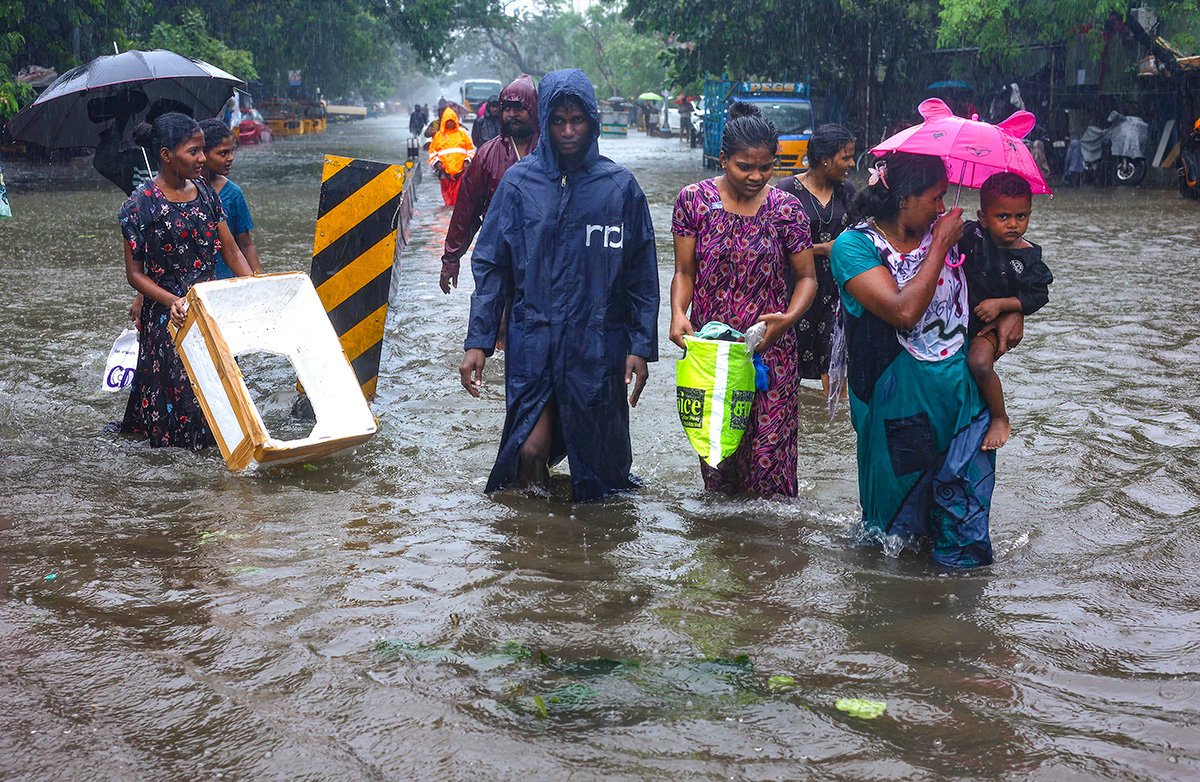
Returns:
(190, 38)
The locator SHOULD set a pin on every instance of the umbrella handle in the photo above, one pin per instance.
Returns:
(961, 260)
(961, 175)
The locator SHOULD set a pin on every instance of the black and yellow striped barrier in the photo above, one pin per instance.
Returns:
(362, 204)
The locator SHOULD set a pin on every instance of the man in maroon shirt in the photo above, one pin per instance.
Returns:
(518, 135)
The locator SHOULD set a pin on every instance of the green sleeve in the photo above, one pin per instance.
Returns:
(852, 254)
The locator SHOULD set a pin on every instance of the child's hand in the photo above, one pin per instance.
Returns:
(988, 310)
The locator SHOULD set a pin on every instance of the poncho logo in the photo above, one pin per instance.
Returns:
(606, 232)
(691, 406)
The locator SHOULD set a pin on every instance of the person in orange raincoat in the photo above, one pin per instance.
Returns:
(449, 154)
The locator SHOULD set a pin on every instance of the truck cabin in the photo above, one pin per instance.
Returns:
(475, 92)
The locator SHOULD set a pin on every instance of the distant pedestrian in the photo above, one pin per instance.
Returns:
(826, 195)
(487, 127)
(450, 153)
(416, 121)
(518, 135)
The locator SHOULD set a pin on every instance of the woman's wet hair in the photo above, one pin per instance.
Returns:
(746, 129)
(906, 174)
(215, 131)
(168, 131)
(827, 142)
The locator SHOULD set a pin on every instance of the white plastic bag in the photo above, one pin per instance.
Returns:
(122, 362)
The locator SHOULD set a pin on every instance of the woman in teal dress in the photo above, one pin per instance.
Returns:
(922, 474)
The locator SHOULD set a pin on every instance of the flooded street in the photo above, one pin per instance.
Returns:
(374, 616)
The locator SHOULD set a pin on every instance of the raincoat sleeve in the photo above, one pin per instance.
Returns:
(641, 276)
(1035, 284)
(466, 219)
(492, 266)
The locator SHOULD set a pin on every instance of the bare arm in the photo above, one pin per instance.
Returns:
(683, 288)
(990, 309)
(231, 253)
(878, 292)
(245, 243)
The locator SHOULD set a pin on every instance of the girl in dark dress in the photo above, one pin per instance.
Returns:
(825, 195)
(174, 231)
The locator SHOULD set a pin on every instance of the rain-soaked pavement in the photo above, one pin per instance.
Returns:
(376, 617)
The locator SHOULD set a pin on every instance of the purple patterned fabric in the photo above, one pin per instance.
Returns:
(178, 247)
(741, 274)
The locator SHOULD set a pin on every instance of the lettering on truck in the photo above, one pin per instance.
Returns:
(773, 86)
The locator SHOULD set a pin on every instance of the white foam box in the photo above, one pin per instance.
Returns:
(279, 314)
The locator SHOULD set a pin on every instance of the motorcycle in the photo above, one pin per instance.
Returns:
(1116, 155)
(1189, 164)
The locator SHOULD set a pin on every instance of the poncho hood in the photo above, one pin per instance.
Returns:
(522, 91)
(449, 120)
(554, 87)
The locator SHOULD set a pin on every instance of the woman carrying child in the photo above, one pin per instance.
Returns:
(736, 237)
(174, 231)
(918, 414)
(218, 160)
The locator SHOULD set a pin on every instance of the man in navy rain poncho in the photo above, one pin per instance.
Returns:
(567, 246)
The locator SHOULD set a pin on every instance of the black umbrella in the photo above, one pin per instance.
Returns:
(114, 92)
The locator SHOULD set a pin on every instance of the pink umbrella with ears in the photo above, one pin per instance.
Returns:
(980, 147)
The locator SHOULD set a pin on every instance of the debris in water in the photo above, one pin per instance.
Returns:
(863, 709)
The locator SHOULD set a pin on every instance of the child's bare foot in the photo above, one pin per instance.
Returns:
(997, 433)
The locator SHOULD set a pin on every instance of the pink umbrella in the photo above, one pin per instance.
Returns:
(982, 148)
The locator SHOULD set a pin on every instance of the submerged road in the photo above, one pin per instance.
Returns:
(376, 617)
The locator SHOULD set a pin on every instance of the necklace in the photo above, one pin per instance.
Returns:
(822, 233)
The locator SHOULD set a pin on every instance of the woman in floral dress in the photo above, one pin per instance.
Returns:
(174, 231)
(736, 237)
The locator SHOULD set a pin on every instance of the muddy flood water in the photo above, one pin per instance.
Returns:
(375, 616)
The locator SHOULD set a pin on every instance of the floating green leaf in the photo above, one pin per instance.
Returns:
(781, 683)
(863, 709)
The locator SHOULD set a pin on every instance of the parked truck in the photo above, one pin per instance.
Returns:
(786, 103)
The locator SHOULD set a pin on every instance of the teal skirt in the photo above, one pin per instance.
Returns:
(921, 473)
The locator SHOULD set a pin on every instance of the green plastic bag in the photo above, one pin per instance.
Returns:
(714, 390)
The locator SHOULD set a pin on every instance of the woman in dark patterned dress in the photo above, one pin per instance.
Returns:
(825, 195)
(736, 237)
(174, 231)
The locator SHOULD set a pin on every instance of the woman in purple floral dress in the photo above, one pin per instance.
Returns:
(735, 239)
(174, 231)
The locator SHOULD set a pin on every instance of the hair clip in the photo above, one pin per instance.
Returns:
(878, 174)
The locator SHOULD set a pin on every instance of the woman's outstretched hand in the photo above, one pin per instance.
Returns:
(777, 326)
